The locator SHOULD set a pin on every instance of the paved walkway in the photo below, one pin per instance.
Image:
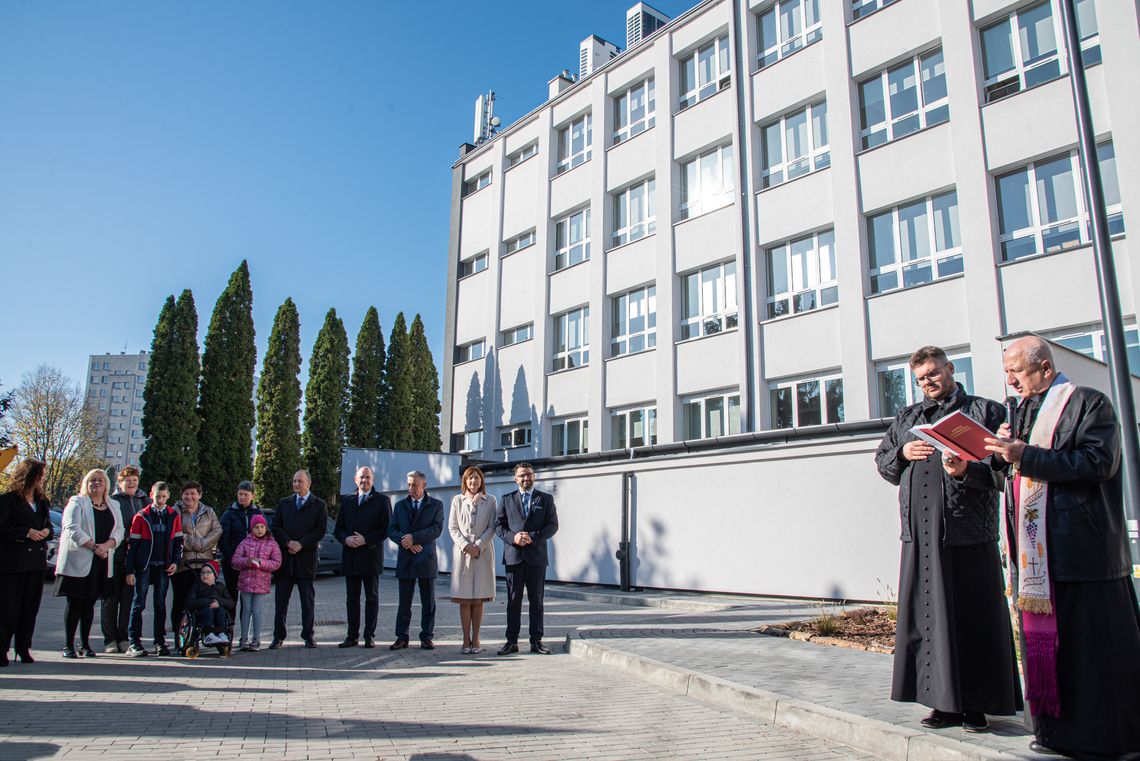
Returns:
(375, 704)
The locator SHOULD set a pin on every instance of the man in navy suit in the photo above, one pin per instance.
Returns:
(362, 527)
(525, 520)
(417, 521)
(299, 523)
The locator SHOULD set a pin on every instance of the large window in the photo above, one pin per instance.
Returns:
(477, 263)
(710, 416)
(903, 99)
(634, 215)
(801, 274)
(708, 301)
(795, 144)
(570, 437)
(635, 427)
(785, 27)
(705, 71)
(707, 182)
(511, 436)
(897, 387)
(1023, 50)
(1041, 207)
(572, 339)
(572, 239)
(519, 242)
(634, 111)
(915, 243)
(471, 351)
(574, 143)
(634, 323)
(519, 334)
(807, 401)
(1090, 341)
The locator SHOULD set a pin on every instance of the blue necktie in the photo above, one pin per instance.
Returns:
(300, 501)
(526, 505)
(360, 501)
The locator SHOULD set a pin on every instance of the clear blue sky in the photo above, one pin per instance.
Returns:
(149, 147)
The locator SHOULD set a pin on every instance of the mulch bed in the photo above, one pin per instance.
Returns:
(860, 629)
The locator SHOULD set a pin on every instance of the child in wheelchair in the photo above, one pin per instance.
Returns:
(212, 606)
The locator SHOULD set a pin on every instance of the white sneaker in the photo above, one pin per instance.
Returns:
(210, 640)
(221, 639)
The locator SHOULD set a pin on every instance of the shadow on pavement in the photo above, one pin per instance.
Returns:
(15, 751)
(103, 686)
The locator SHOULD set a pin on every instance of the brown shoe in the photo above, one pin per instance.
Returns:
(399, 644)
(427, 644)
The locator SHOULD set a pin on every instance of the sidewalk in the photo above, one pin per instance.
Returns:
(834, 693)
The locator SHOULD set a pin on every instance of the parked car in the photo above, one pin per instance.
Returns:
(53, 543)
(328, 550)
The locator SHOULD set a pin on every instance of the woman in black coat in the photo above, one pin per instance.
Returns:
(25, 528)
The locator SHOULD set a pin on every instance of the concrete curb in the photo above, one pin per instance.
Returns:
(630, 598)
(885, 740)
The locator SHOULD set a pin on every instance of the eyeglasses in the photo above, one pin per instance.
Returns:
(929, 377)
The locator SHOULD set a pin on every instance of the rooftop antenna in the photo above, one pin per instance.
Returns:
(486, 123)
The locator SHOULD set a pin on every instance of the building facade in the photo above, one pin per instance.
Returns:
(750, 218)
(115, 384)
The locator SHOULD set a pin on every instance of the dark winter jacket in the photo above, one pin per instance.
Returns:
(129, 504)
(970, 512)
(307, 526)
(235, 527)
(140, 549)
(202, 594)
(370, 520)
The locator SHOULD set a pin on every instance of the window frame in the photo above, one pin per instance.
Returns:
(702, 402)
(518, 242)
(704, 201)
(623, 203)
(648, 413)
(823, 292)
(911, 392)
(935, 259)
(857, 7)
(471, 351)
(927, 114)
(519, 435)
(722, 72)
(471, 266)
(528, 151)
(630, 129)
(477, 183)
(564, 256)
(817, 156)
(786, 46)
(563, 355)
(565, 138)
(622, 337)
(560, 439)
(824, 383)
(510, 336)
(725, 318)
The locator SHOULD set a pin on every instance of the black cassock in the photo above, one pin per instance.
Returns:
(954, 642)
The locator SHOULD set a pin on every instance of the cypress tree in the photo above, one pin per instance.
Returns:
(170, 396)
(396, 411)
(425, 392)
(225, 404)
(367, 389)
(279, 409)
(326, 408)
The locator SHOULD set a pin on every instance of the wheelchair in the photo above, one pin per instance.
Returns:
(189, 637)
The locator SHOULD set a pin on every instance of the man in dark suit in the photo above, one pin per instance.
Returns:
(362, 527)
(417, 521)
(299, 523)
(525, 520)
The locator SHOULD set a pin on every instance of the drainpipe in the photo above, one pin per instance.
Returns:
(623, 553)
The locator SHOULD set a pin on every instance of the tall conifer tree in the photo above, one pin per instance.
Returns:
(225, 403)
(279, 409)
(326, 408)
(367, 391)
(170, 396)
(425, 391)
(396, 413)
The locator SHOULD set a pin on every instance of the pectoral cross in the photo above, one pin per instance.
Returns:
(1033, 565)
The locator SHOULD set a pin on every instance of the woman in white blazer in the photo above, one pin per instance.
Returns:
(92, 529)
(471, 523)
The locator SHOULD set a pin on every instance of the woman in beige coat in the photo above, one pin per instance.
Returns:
(471, 524)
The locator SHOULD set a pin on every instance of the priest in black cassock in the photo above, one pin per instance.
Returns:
(954, 641)
(1080, 625)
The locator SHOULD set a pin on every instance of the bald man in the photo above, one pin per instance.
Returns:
(361, 528)
(1080, 624)
(299, 523)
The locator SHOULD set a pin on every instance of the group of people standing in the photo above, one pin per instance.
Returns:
(1056, 455)
(124, 547)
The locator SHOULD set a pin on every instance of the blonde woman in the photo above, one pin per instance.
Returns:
(92, 529)
(471, 524)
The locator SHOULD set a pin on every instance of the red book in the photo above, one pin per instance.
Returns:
(957, 433)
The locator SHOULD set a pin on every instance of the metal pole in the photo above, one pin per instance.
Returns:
(1119, 374)
(623, 541)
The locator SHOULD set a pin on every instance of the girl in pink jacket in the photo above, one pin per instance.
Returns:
(257, 557)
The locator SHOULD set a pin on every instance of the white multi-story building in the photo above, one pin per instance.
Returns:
(115, 384)
(748, 220)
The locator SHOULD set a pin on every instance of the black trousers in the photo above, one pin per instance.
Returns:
(20, 595)
(115, 611)
(180, 585)
(352, 587)
(427, 607)
(532, 578)
(284, 591)
(230, 575)
(78, 613)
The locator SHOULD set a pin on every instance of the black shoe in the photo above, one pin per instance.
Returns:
(510, 647)
(3, 659)
(86, 651)
(162, 650)
(1042, 750)
(136, 651)
(369, 642)
(975, 722)
(538, 647)
(24, 656)
(399, 644)
(427, 644)
(275, 644)
(69, 652)
(348, 642)
(941, 720)
(310, 644)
